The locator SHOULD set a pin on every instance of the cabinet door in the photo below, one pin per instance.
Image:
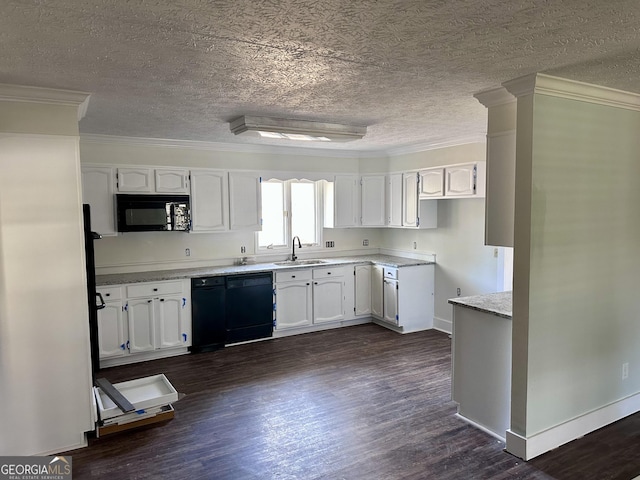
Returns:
(135, 180)
(245, 201)
(172, 180)
(328, 300)
(346, 204)
(373, 201)
(97, 191)
(363, 289)
(169, 322)
(376, 291)
(410, 200)
(390, 290)
(432, 183)
(293, 305)
(460, 180)
(111, 341)
(141, 325)
(394, 200)
(209, 201)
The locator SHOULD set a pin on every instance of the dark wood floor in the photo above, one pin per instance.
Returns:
(355, 403)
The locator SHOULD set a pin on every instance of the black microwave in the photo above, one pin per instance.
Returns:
(152, 213)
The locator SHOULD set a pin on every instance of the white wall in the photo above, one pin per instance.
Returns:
(45, 379)
(576, 268)
(584, 267)
(462, 260)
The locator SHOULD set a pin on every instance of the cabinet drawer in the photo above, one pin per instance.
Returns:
(390, 272)
(293, 275)
(151, 289)
(328, 272)
(110, 293)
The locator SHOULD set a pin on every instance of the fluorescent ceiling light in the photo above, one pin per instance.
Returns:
(305, 130)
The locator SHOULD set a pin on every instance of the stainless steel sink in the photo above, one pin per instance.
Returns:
(293, 263)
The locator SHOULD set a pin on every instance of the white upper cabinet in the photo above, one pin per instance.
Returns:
(171, 180)
(410, 200)
(354, 201)
(135, 180)
(432, 182)
(394, 200)
(346, 207)
(245, 201)
(460, 180)
(97, 190)
(209, 201)
(153, 180)
(373, 208)
(453, 181)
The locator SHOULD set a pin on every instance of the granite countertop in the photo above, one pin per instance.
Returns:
(498, 304)
(159, 275)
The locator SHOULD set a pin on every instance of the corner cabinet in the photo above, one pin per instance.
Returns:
(453, 181)
(143, 321)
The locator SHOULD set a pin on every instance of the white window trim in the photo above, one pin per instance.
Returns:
(306, 247)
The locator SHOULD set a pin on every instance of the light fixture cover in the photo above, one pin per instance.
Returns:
(297, 129)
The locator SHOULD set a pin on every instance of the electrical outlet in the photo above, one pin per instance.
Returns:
(187, 252)
(365, 243)
(625, 370)
(495, 253)
(415, 245)
(458, 291)
(243, 249)
(330, 244)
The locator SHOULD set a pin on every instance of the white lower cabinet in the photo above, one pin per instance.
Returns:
(153, 320)
(390, 301)
(328, 296)
(111, 335)
(362, 290)
(305, 297)
(377, 302)
(293, 301)
(403, 298)
(141, 320)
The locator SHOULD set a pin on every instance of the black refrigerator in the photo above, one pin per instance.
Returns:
(95, 300)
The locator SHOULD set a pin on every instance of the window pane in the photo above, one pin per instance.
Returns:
(273, 220)
(303, 211)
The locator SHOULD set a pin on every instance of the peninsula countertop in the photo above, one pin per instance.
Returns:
(160, 275)
(498, 304)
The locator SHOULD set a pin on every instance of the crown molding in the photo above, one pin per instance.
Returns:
(49, 96)
(543, 84)
(494, 97)
(89, 138)
(424, 147)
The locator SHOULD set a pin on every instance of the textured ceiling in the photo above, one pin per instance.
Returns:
(408, 69)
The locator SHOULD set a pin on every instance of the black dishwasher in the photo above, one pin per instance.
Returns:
(208, 314)
(249, 307)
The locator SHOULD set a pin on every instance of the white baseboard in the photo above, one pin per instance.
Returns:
(319, 327)
(143, 357)
(539, 443)
(443, 325)
(480, 427)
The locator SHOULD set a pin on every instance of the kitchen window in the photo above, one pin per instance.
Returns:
(290, 208)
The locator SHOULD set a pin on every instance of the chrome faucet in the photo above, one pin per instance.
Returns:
(293, 253)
